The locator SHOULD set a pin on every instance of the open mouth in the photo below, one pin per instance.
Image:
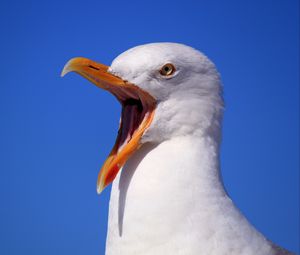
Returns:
(133, 114)
(135, 119)
(138, 108)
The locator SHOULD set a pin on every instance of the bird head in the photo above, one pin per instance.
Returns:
(166, 90)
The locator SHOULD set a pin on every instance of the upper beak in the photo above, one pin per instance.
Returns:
(136, 102)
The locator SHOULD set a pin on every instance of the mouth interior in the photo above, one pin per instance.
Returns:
(132, 116)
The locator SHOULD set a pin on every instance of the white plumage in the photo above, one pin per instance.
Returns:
(169, 197)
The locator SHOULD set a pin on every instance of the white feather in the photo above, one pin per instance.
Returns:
(169, 198)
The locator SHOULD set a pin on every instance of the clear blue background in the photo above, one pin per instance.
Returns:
(55, 133)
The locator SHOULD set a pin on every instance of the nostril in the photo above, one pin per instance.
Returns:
(93, 67)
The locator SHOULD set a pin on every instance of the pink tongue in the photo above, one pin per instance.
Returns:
(131, 117)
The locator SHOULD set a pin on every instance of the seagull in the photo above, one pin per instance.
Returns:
(167, 194)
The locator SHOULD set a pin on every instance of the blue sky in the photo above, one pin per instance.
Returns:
(55, 133)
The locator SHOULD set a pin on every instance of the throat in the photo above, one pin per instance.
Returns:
(182, 164)
(132, 116)
(179, 175)
(170, 196)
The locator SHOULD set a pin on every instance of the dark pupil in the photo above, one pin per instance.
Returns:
(167, 69)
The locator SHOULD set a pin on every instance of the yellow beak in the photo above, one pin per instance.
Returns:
(138, 108)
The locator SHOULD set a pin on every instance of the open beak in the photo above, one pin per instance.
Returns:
(138, 108)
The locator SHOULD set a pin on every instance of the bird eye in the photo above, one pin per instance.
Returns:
(167, 70)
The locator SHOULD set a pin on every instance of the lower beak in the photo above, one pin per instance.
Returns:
(138, 108)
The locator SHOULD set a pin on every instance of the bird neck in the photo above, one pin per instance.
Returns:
(170, 196)
(187, 164)
(179, 175)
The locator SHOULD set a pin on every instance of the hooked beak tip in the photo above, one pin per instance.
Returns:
(100, 188)
(65, 70)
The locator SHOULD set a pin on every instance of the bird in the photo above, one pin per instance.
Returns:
(167, 193)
